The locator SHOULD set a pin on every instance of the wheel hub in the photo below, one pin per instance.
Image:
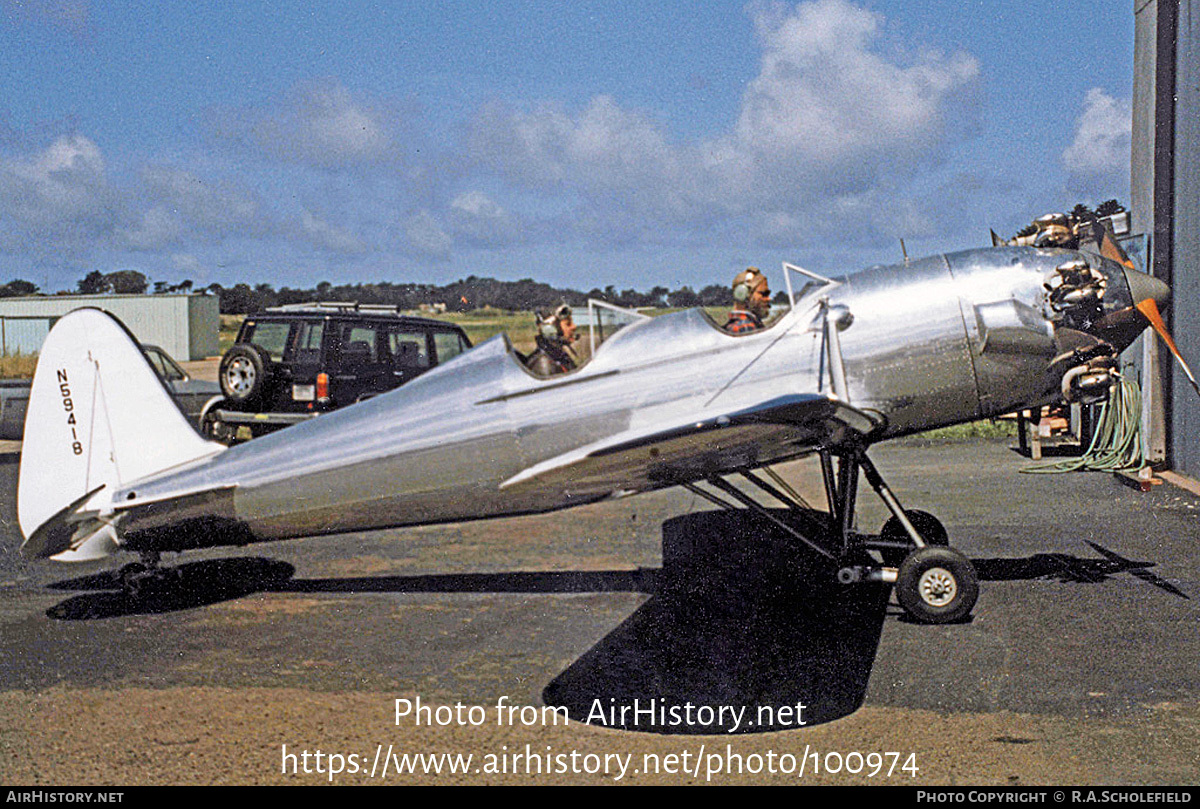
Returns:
(240, 375)
(937, 587)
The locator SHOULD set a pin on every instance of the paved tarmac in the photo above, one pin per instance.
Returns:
(1078, 665)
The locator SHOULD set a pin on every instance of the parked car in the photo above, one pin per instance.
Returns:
(292, 363)
(191, 394)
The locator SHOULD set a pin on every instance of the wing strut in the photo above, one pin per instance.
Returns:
(934, 583)
(805, 524)
(718, 482)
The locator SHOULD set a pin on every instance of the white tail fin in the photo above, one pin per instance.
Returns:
(99, 417)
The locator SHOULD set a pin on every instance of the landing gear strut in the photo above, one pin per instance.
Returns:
(934, 583)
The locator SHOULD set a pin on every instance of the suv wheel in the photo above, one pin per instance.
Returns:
(244, 374)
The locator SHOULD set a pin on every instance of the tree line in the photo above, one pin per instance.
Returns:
(121, 282)
(463, 295)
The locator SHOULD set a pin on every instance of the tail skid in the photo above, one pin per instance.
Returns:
(99, 417)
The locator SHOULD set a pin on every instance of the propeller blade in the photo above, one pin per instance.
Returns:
(1149, 309)
(1109, 247)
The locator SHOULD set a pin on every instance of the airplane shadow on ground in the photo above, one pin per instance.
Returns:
(741, 620)
(736, 618)
(1071, 569)
(198, 584)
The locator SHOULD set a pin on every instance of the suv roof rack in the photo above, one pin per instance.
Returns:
(339, 306)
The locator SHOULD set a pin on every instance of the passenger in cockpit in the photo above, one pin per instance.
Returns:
(751, 302)
(556, 332)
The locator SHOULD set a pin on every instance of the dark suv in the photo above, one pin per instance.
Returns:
(291, 363)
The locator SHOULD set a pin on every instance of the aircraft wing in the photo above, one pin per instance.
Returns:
(685, 450)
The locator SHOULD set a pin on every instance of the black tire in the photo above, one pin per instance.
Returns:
(245, 374)
(928, 526)
(937, 585)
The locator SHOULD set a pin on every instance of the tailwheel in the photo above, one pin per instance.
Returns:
(147, 579)
(217, 430)
(128, 573)
(928, 526)
(937, 585)
(153, 583)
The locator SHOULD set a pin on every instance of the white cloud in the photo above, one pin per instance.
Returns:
(603, 145)
(424, 236)
(185, 206)
(187, 264)
(318, 123)
(1102, 136)
(155, 229)
(824, 94)
(56, 200)
(75, 154)
(828, 115)
(480, 220)
(211, 204)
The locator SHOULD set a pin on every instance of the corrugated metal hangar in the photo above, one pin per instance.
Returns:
(1165, 206)
(184, 325)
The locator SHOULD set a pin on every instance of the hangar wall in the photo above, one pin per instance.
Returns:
(1141, 208)
(1185, 252)
(1165, 182)
(185, 325)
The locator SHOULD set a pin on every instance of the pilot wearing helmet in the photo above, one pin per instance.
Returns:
(555, 333)
(751, 302)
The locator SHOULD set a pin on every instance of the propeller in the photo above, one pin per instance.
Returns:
(1147, 292)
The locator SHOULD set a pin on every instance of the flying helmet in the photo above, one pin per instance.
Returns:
(746, 282)
(551, 324)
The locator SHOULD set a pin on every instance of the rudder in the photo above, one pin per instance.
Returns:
(99, 416)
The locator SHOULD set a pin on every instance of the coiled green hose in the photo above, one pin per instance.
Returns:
(1117, 441)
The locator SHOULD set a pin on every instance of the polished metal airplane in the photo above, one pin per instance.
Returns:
(109, 463)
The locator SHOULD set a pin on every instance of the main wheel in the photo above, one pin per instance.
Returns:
(937, 585)
(928, 526)
(244, 373)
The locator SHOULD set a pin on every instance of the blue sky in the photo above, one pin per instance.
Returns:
(580, 143)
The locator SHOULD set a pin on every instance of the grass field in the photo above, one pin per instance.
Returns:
(18, 366)
(484, 324)
(986, 428)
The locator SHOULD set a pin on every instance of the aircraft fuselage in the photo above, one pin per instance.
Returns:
(938, 341)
